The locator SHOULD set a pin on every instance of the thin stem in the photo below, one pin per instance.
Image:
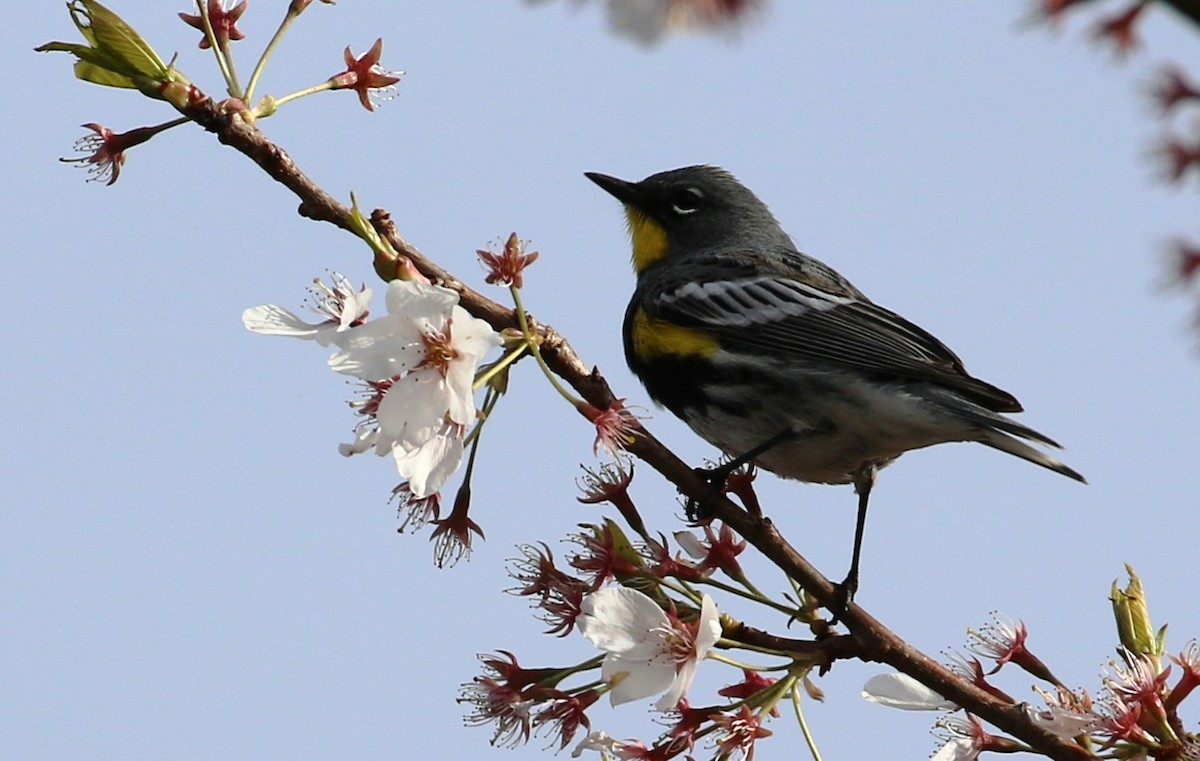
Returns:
(500, 364)
(587, 665)
(277, 102)
(749, 585)
(756, 596)
(731, 643)
(221, 52)
(235, 87)
(473, 439)
(489, 402)
(288, 18)
(808, 738)
(681, 587)
(523, 321)
(168, 125)
(732, 661)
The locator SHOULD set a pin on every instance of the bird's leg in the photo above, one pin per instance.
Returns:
(716, 477)
(864, 479)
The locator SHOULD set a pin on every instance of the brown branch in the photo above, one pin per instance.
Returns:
(820, 652)
(868, 639)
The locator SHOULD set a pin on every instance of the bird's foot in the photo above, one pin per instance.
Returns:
(843, 597)
(700, 510)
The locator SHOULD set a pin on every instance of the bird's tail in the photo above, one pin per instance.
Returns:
(1013, 445)
(1000, 432)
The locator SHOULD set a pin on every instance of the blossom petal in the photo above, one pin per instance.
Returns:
(272, 320)
(903, 692)
(473, 335)
(356, 306)
(598, 741)
(379, 349)
(678, 687)
(710, 627)
(413, 410)
(707, 634)
(635, 678)
(364, 439)
(1063, 724)
(413, 300)
(428, 466)
(459, 390)
(956, 749)
(619, 619)
(690, 544)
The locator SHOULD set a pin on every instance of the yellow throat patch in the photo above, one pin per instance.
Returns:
(648, 237)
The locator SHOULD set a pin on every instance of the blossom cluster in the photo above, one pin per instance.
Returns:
(415, 366)
(1134, 714)
(641, 604)
(1176, 153)
(1179, 158)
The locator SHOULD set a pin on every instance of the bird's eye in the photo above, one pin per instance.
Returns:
(687, 200)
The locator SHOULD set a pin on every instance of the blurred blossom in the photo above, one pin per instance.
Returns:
(1182, 263)
(1119, 29)
(649, 21)
(753, 683)
(1171, 89)
(1176, 156)
(971, 669)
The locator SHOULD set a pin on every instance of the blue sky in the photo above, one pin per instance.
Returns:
(190, 570)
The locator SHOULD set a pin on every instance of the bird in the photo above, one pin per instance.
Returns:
(776, 359)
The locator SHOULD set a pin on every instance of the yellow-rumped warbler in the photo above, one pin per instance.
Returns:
(776, 359)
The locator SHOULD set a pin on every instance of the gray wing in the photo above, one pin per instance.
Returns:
(785, 317)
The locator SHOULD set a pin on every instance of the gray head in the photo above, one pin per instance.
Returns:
(691, 209)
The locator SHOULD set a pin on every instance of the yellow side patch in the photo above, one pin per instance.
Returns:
(648, 238)
(654, 338)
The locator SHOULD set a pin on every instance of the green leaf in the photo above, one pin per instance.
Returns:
(90, 72)
(116, 55)
(117, 38)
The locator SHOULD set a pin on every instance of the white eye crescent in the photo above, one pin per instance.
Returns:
(687, 201)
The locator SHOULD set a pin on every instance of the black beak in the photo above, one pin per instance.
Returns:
(623, 190)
